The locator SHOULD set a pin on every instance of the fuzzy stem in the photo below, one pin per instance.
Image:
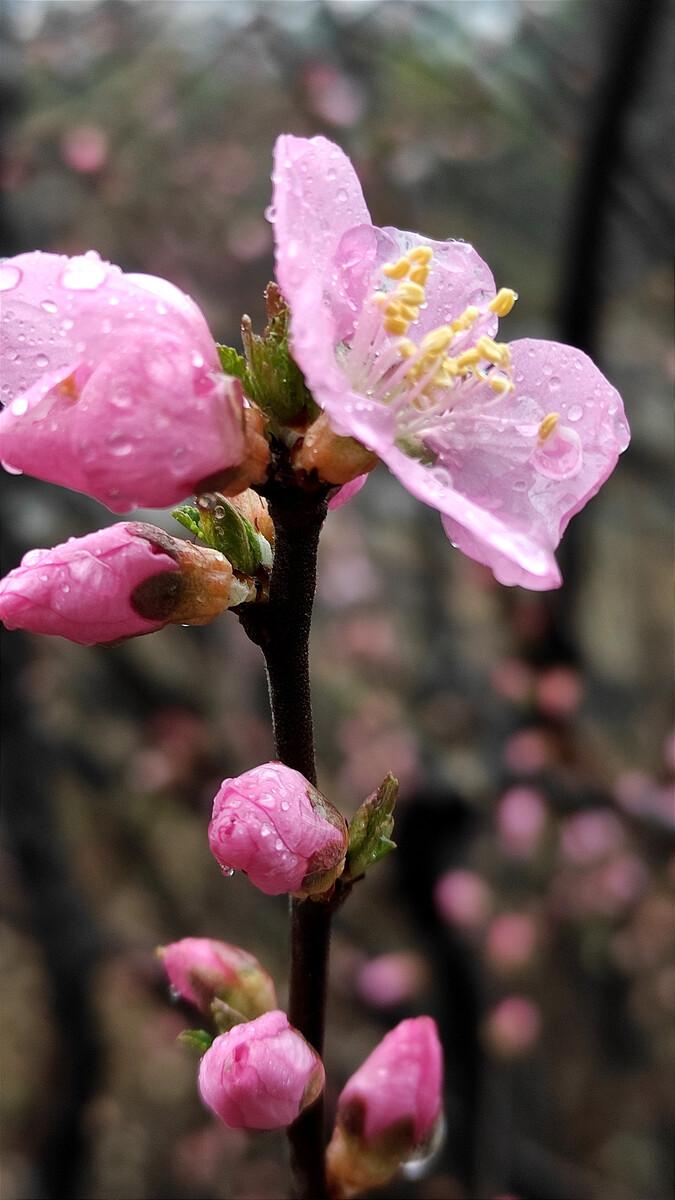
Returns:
(281, 627)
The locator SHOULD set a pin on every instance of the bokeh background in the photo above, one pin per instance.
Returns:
(531, 904)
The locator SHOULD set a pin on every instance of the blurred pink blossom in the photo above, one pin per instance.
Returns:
(84, 148)
(513, 1027)
(591, 835)
(559, 691)
(260, 1075)
(528, 751)
(510, 941)
(332, 95)
(463, 899)
(521, 818)
(391, 980)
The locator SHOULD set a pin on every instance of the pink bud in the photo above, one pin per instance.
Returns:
(260, 1075)
(274, 825)
(119, 392)
(119, 582)
(202, 970)
(513, 1027)
(390, 1108)
(462, 899)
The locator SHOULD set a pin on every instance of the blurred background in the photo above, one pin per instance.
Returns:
(530, 906)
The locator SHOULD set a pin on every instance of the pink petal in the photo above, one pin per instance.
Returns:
(347, 492)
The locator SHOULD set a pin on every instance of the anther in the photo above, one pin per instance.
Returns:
(503, 302)
(397, 325)
(547, 426)
(421, 254)
(397, 270)
(410, 293)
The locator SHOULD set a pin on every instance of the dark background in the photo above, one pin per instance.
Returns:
(539, 132)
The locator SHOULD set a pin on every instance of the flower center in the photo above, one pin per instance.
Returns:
(437, 385)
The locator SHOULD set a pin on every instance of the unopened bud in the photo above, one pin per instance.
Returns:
(274, 825)
(390, 1109)
(203, 970)
(201, 588)
(335, 459)
(260, 1075)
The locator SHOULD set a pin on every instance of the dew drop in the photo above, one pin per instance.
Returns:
(575, 413)
(341, 195)
(84, 274)
(519, 485)
(10, 276)
(228, 872)
(270, 213)
(19, 406)
(49, 306)
(285, 805)
(265, 831)
(10, 469)
(65, 588)
(278, 845)
(41, 361)
(554, 384)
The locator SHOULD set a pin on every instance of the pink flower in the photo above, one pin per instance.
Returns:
(394, 334)
(260, 1075)
(112, 383)
(272, 824)
(588, 836)
(201, 970)
(119, 582)
(391, 979)
(510, 942)
(521, 818)
(390, 1108)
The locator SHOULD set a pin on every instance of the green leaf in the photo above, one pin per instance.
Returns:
(274, 380)
(188, 516)
(196, 1039)
(225, 529)
(370, 829)
(232, 362)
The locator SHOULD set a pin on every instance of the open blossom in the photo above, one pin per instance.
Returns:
(202, 970)
(260, 1075)
(395, 334)
(119, 582)
(274, 825)
(112, 383)
(390, 1109)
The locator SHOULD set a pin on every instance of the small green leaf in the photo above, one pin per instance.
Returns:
(370, 829)
(225, 529)
(232, 362)
(188, 516)
(196, 1039)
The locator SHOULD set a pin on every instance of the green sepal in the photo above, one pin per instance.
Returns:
(220, 525)
(273, 380)
(225, 1016)
(197, 1039)
(233, 363)
(370, 829)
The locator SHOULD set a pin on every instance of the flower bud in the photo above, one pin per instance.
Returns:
(121, 394)
(119, 582)
(512, 1027)
(389, 1110)
(260, 1075)
(253, 465)
(274, 825)
(335, 459)
(202, 970)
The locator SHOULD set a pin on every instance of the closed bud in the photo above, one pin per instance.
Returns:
(274, 825)
(119, 582)
(253, 466)
(390, 1109)
(260, 1075)
(201, 970)
(335, 459)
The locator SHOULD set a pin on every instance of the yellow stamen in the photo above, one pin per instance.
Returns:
(409, 311)
(495, 352)
(419, 275)
(410, 293)
(499, 383)
(547, 426)
(503, 302)
(397, 325)
(421, 254)
(469, 358)
(407, 348)
(397, 270)
(466, 319)
(437, 341)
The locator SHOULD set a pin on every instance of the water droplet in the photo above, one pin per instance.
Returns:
(265, 831)
(49, 306)
(219, 512)
(197, 359)
(33, 557)
(341, 195)
(228, 872)
(66, 324)
(41, 361)
(84, 274)
(554, 384)
(270, 213)
(278, 845)
(65, 588)
(119, 446)
(575, 413)
(9, 277)
(285, 805)
(19, 406)
(10, 469)
(520, 485)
